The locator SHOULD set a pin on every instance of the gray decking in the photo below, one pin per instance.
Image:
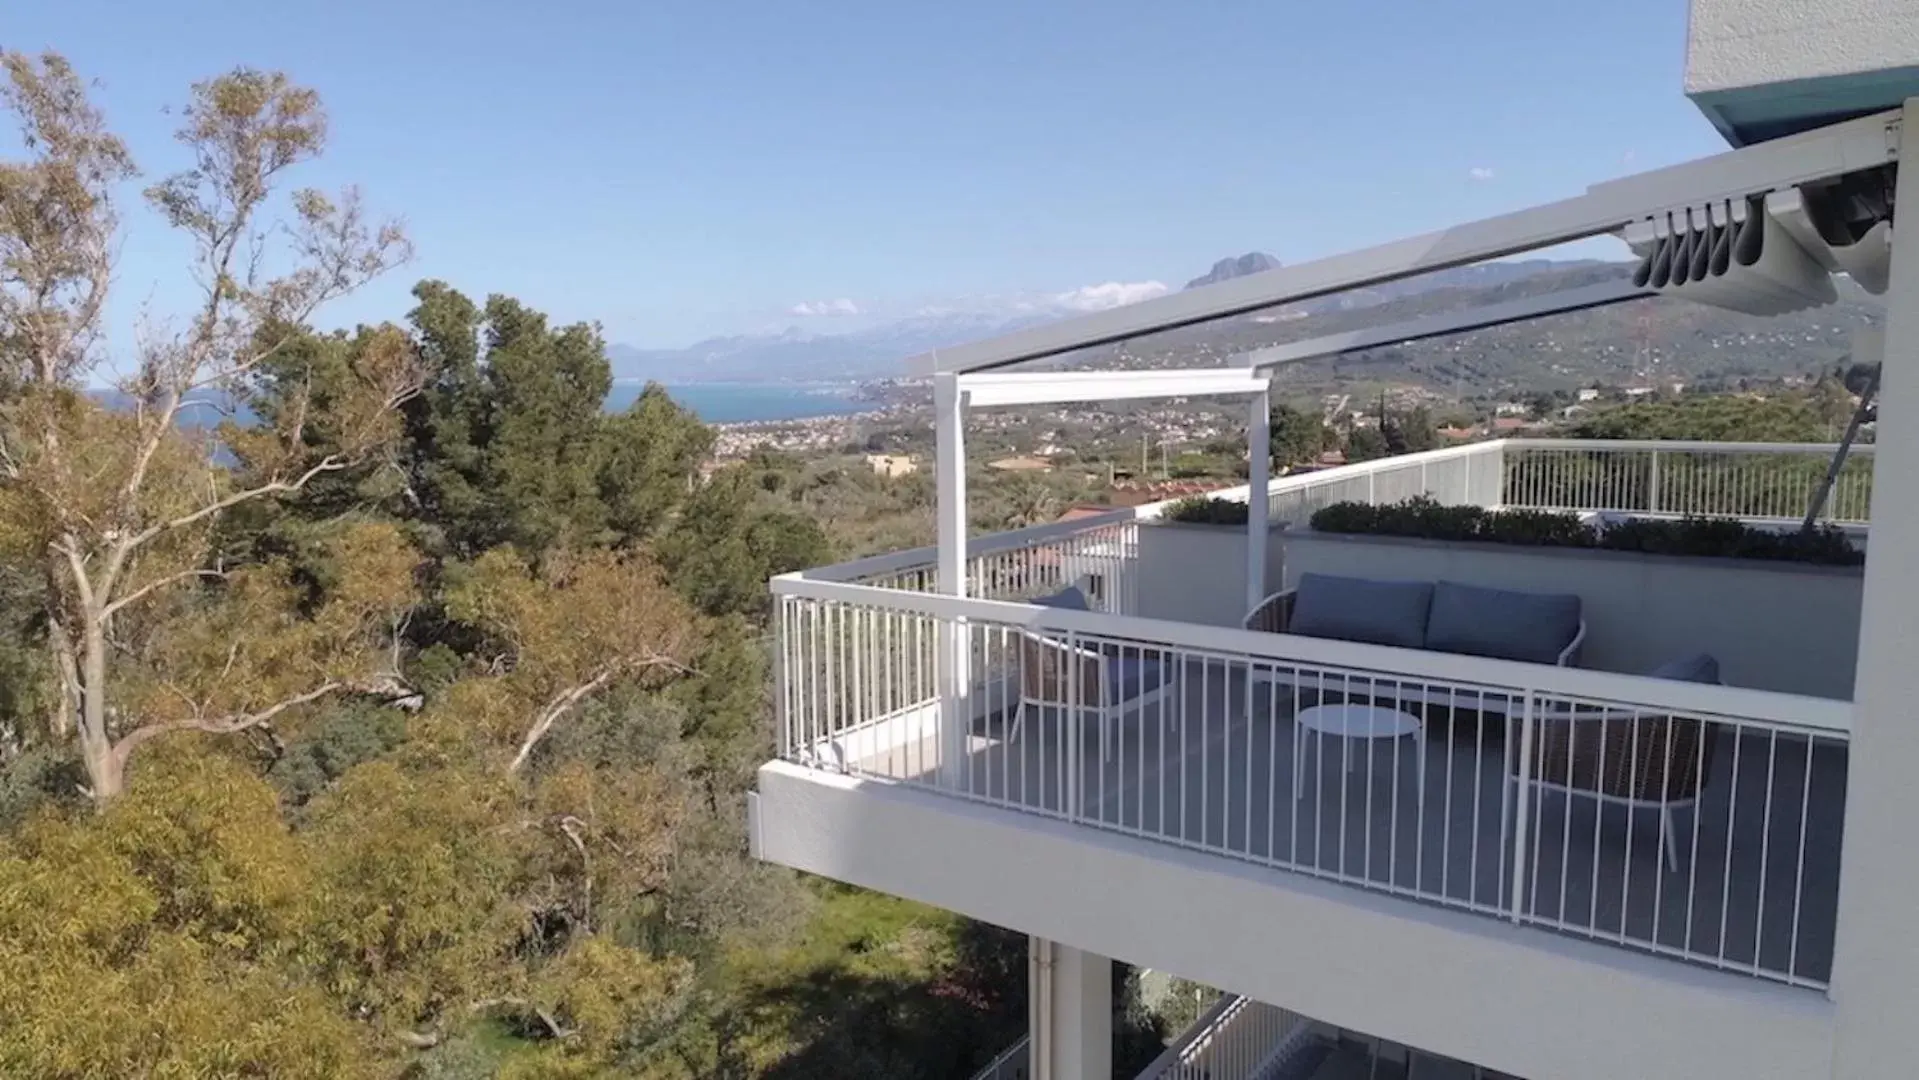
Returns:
(1212, 767)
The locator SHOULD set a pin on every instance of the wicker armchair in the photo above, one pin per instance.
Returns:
(1104, 683)
(1636, 759)
(1273, 614)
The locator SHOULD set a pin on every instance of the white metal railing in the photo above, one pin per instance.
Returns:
(1236, 1038)
(1019, 564)
(1697, 479)
(1023, 563)
(1695, 821)
(1011, 1064)
(1670, 477)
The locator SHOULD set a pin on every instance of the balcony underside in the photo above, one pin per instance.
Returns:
(1211, 767)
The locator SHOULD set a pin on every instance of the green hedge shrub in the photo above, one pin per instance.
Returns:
(1206, 510)
(1424, 517)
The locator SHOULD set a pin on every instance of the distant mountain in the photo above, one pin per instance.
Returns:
(1650, 342)
(797, 355)
(1226, 269)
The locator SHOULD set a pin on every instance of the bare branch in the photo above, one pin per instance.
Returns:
(152, 587)
(561, 704)
(225, 725)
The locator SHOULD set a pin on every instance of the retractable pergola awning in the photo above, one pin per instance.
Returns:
(1735, 175)
(1678, 207)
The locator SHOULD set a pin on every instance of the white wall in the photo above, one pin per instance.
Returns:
(1197, 573)
(1520, 1000)
(1772, 626)
(1732, 44)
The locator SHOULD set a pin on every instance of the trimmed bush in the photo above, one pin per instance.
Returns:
(1205, 510)
(1425, 518)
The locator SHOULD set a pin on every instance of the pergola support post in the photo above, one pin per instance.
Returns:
(954, 663)
(1259, 471)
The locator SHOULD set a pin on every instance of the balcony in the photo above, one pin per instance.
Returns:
(885, 680)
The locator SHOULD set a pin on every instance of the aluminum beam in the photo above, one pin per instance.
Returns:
(1050, 387)
(1832, 151)
(1445, 323)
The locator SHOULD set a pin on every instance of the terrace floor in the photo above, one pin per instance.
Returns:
(1211, 766)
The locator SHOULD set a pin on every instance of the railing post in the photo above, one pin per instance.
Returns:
(1652, 498)
(1520, 789)
(782, 674)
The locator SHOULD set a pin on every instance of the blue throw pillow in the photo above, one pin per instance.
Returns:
(1360, 609)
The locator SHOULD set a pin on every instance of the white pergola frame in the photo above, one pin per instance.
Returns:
(970, 376)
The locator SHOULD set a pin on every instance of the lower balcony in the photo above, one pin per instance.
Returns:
(1701, 823)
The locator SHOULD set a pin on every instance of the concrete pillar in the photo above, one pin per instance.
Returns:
(956, 679)
(1070, 1013)
(1875, 980)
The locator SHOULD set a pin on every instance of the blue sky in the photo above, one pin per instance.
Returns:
(676, 170)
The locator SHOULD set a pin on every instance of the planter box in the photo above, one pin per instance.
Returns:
(1197, 573)
(1788, 627)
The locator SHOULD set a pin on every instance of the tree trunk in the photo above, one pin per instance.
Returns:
(106, 769)
(67, 671)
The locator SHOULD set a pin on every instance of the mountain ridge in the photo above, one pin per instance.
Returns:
(795, 355)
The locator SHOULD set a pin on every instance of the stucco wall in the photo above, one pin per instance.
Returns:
(1772, 626)
(1733, 44)
(1197, 573)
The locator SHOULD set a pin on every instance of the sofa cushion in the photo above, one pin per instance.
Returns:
(1500, 623)
(1699, 668)
(1361, 609)
(1069, 598)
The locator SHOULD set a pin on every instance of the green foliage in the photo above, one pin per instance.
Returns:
(1424, 517)
(1206, 510)
(1297, 437)
(1366, 444)
(331, 743)
(726, 544)
(479, 676)
(1818, 416)
(648, 456)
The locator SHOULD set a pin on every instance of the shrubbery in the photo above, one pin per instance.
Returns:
(1206, 510)
(1426, 518)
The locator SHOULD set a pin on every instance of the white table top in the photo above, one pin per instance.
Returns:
(1358, 721)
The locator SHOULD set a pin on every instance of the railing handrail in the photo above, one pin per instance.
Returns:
(990, 544)
(1203, 1025)
(1693, 446)
(1014, 539)
(991, 1071)
(925, 558)
(1825, 716)
(1280, 485)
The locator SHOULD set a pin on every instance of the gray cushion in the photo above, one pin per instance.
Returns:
(1069, 598)
(1699, 667)
(1360, 609)
(1500, 623)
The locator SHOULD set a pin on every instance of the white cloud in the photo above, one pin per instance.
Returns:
(1479, 172)
(842, 306)
(1112, 294)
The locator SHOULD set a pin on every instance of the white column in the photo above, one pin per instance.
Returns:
(1070, 1013)
(1259, 471)
(1875, 980)
(956, 681)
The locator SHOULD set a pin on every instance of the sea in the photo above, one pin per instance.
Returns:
(735, 403)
